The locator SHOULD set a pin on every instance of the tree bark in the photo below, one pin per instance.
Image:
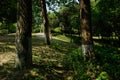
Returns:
(23, 34)
(46, 22)
(86, 30)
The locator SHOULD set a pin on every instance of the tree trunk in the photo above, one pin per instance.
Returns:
(46, 22)
(23, 34)
(86, 30)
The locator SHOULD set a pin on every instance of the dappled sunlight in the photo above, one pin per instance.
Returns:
(5, 47)
(97, 44)
(1, 43)
(46, 55)
(59, 61)
(119, 49)
(7, 50)
(62, 38)
(7, 58)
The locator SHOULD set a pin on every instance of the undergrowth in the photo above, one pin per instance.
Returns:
(63, 60)
(105, 67)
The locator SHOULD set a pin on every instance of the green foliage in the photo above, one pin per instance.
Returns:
(4, 31)
(8, 11)
(12, 28)
(53, 20)
(37, 15)
(56, 30)
(36, 30)
(82, 70)
(109, 59)
(69, 17)
(105, 67)
(3, 26)
(105, 17)
(103, 76)
(73, 58)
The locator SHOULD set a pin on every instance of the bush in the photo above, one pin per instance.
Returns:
(74, 60)
(4, 31)
(103, 76)
(3, 26)
(12, 28)
(36, 30)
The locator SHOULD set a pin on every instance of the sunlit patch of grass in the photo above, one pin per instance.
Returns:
(119, 49)
(97, 44)
(96, 37)
(7, 57)
(61, 60)
(12, 34)
(62, 38)
(11, 46)
(2, 43)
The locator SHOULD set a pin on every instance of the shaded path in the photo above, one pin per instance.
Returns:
(48, 59)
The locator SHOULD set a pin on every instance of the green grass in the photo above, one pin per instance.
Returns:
(61, 60)
(62, 38)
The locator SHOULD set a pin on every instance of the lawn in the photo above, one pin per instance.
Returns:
(62, 60)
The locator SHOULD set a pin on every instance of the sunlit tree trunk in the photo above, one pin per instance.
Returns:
(86, 31)
(23, 34)
(45, 21)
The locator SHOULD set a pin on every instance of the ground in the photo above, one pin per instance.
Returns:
(61, 60)
(47, 61)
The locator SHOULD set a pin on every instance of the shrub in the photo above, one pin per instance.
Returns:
(12, 28)
(3, 31)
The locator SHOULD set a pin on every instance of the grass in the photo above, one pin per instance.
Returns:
(62, 60)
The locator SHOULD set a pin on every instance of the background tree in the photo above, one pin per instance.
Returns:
(107, 25)
(45, 21)
(69, 17)
(37, 16)
(53, 21)
(8, 13)
(86, 29)
(23, 34)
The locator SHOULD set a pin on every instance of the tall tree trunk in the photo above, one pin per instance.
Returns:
(23, 34)
(46, 22)
(86, 30)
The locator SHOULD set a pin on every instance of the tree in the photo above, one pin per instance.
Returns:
(69, 15)
(23, 34)
(46, 22)
(86, 30)
(53, 21)
(37, 16)
(8, 13)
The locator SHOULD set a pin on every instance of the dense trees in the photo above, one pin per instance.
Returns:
(8, 13)
(106, 27)
(69, 17)
(36, 16)
(94, 20)
(23, 34)
(65, 15)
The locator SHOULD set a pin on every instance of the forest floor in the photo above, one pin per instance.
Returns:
(49, 62)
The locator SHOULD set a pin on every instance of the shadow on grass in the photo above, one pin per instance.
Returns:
(74, 38)
(48, 61)
(111, 42)
(6, 48)
(7, 38)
